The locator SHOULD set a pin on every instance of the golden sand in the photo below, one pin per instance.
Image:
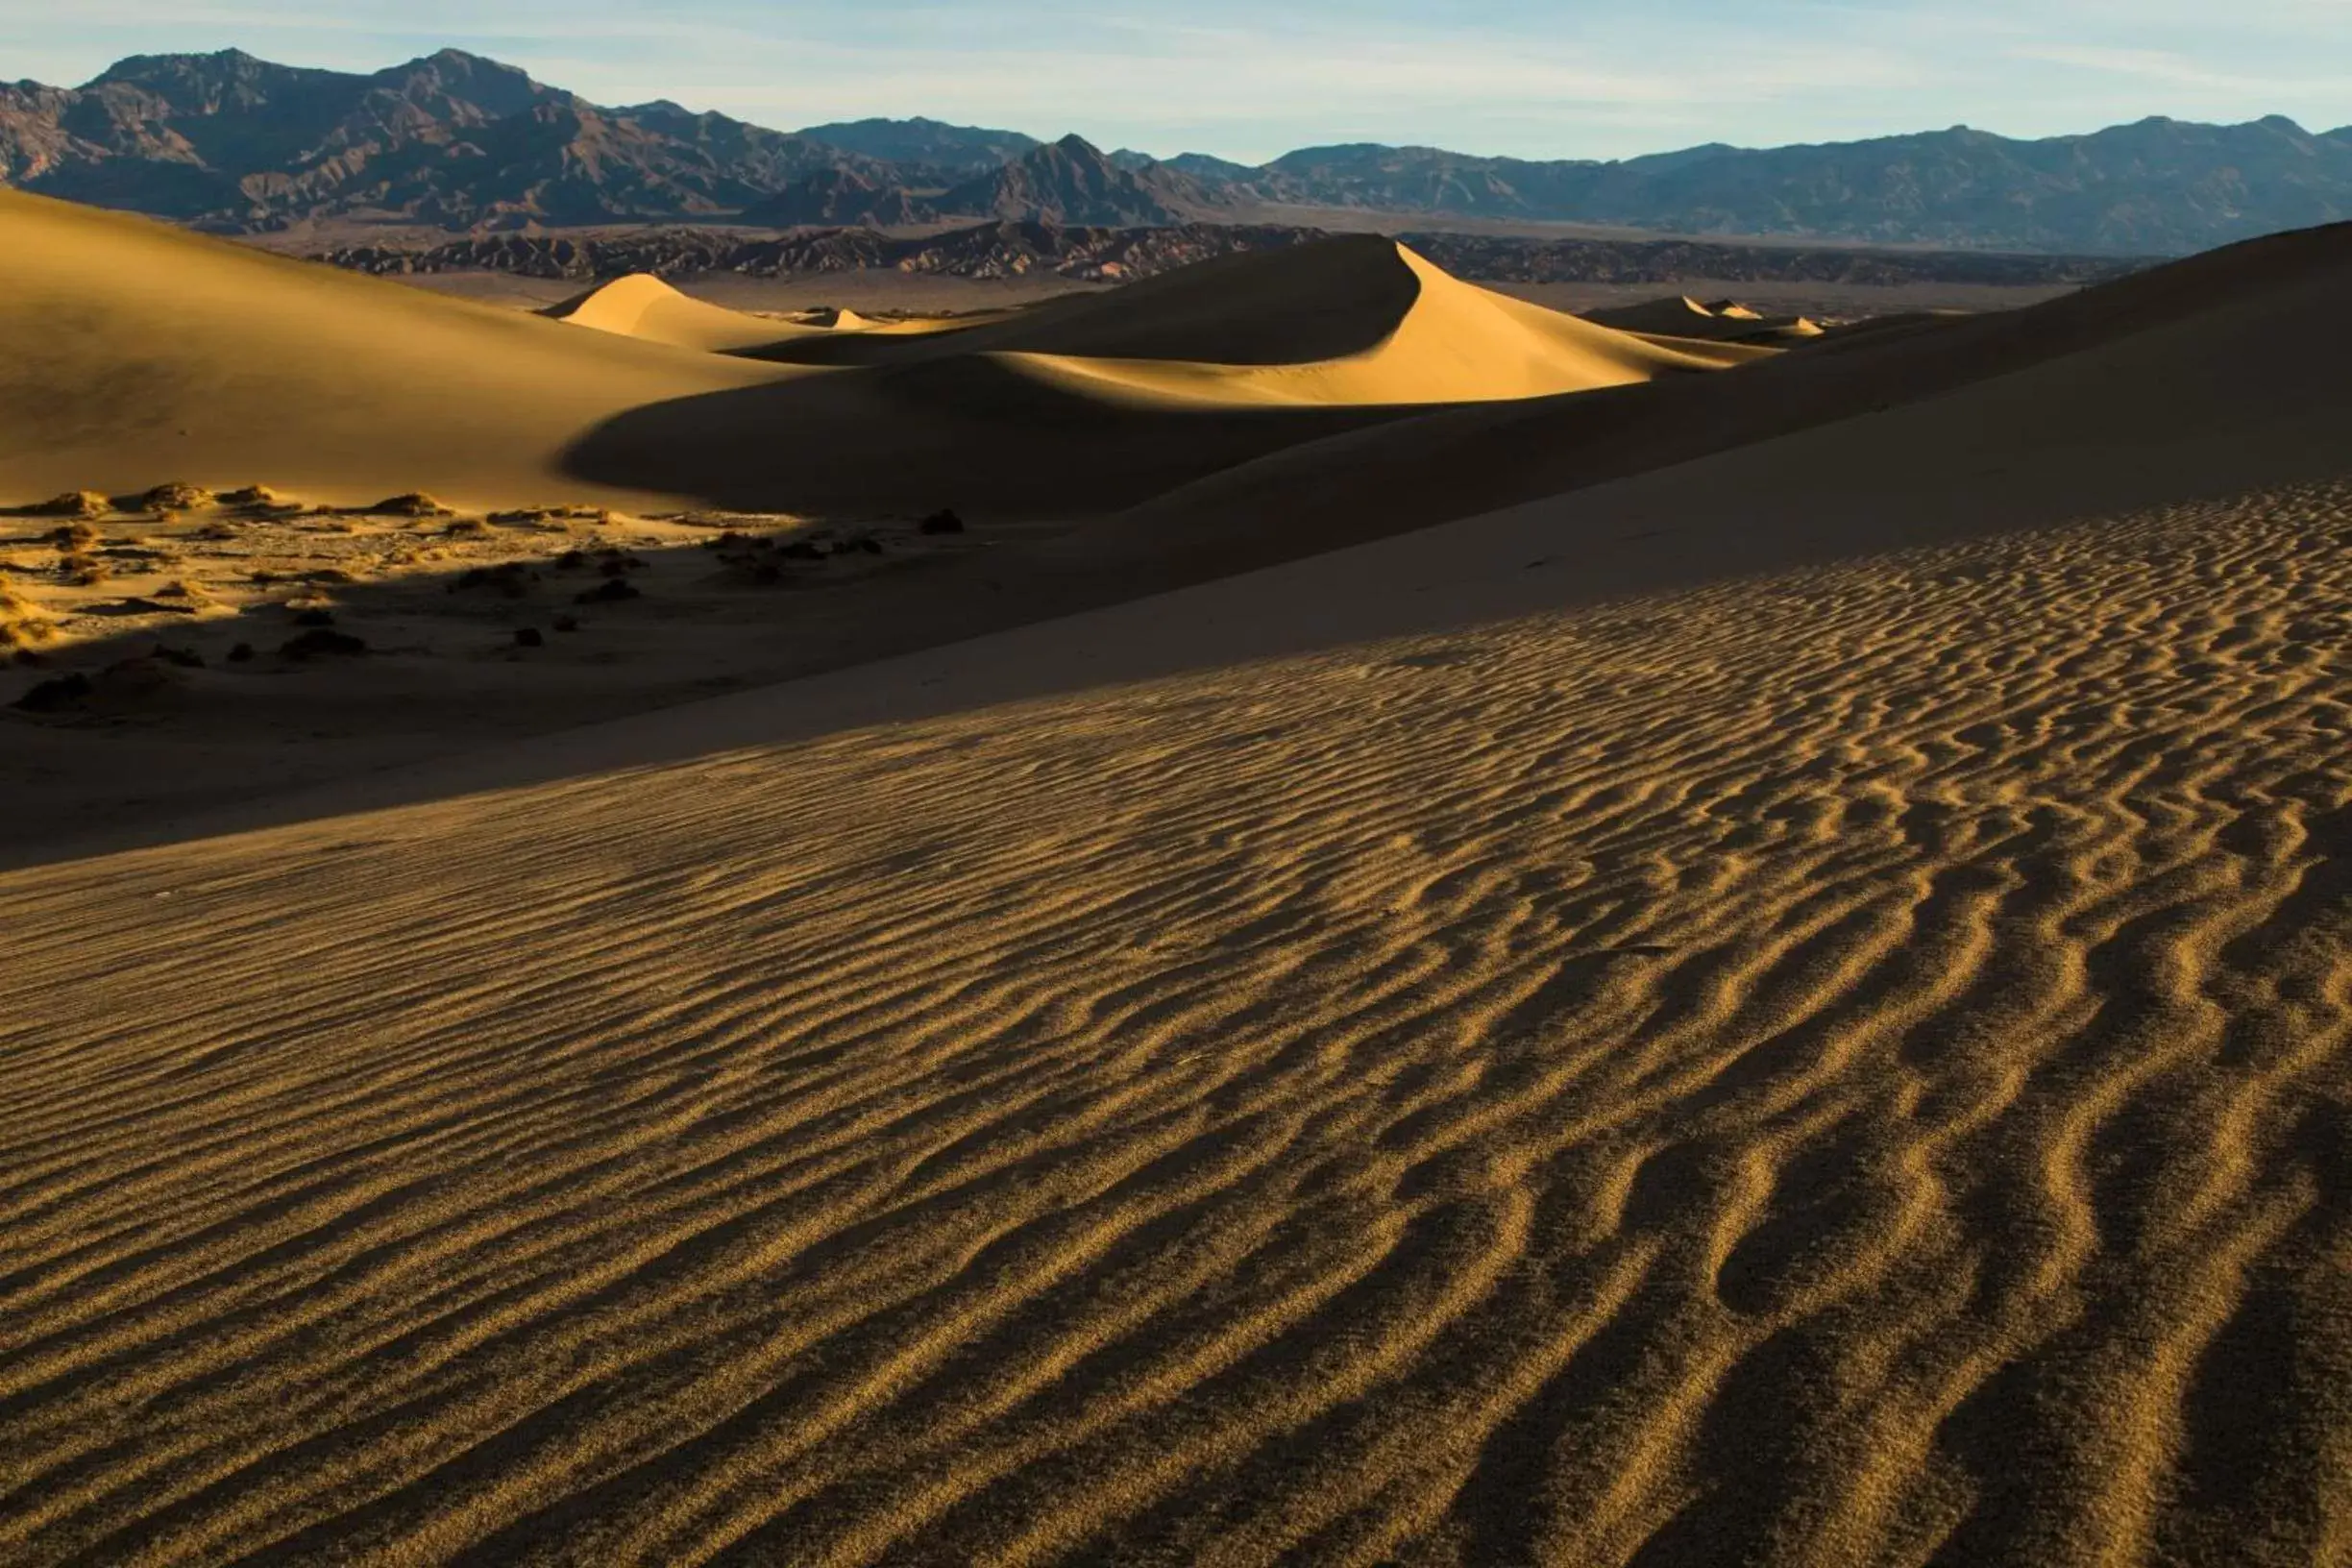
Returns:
(1844, 1067)
(1794, 1009)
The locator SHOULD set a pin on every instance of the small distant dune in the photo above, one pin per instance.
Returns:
(1723, 321)
(644, 307)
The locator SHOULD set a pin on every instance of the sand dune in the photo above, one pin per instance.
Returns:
(1845, 1062)
(1725, 321)
(1843, 1066)
(1090, 406)
(643, 306)
(2252, 345)
(1455, 343)
(141, 354)
(1359, 320)
(1792, 1008)
(138, 354)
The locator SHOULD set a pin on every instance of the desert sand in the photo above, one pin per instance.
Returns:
(1773, 986)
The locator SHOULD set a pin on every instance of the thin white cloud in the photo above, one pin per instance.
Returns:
(2175, 69)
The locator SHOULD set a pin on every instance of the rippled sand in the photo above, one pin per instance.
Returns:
(1844, 1067)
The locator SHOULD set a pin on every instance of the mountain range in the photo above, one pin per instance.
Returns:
(229, 142)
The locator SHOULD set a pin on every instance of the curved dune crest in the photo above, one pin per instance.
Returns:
(1724, 321)
(1453, 343)
(640, 306)
(140, 354)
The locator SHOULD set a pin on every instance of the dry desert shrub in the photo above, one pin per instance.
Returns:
(79, 570)
(72, 503)
(62, 695)
(174, 497)
(511, 578)
(413, 504)
(21, 621)
(322, 641)
(250, 495)
(529, 516)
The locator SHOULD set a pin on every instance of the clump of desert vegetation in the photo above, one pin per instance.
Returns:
(412, 504)
(84, 504)
(22, 624)
(174, 497)
(540, 516)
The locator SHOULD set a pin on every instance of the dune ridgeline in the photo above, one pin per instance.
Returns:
(1631, 964)
(141, 354)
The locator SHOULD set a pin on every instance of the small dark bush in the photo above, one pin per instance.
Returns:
(942, 520)
(415, 503)
(321, 643)
(527, 637)
(173, 498)
(510, 580)
(59, 695)
(611, 591)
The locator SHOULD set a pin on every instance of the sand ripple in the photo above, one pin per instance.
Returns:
(1847, 1067)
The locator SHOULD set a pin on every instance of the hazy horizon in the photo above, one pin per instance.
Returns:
(1499, 76)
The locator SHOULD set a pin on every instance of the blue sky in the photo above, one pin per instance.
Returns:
(1535, 78)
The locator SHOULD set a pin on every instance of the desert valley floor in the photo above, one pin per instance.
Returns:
(1678, 952)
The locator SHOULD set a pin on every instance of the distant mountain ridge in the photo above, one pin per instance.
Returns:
(1071, 180)
(230, 142)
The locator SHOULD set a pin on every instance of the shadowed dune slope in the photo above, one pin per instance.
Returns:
(1455, 343)
(1844, 1064)
(2258, 312)
(137, 353)
(1322, 301)
(1346, 321)
(1086, 406)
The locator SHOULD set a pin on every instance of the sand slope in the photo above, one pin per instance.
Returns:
(1724, 321)
(2243, 340)
(138, 354)
(1455, 343)
(643, 306)
(1091, 404)
(1842, 1062)
(1357, 320)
